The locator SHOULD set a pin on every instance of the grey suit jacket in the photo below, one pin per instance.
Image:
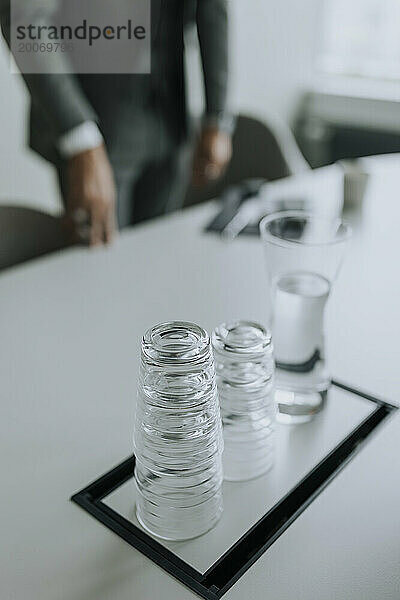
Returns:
(136, 113)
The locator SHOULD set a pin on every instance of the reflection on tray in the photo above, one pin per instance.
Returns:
(298, 450)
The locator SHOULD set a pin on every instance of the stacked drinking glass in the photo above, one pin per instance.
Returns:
(178, 433)
(245, 375)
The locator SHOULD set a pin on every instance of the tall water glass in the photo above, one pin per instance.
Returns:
(178, 433)
(303, 255)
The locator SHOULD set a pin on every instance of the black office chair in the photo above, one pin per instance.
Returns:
(260, 151)
(26, 234)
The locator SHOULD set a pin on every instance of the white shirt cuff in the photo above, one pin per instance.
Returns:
(79, 139)
(224, 121)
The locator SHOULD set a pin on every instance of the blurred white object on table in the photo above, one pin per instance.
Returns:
(320, 191)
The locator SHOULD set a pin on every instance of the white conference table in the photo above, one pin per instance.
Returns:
(70, 327)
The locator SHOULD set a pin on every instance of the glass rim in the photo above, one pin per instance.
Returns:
(178, 353)
(259, 345)
(273, 239)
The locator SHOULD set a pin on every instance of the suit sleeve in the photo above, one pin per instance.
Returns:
(212, 27)
(59, 95)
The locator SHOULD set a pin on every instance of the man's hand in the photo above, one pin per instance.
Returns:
(213, 153)
(91, 197)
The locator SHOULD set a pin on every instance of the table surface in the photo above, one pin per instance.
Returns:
(70, 328)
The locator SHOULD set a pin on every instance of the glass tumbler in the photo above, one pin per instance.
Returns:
(303, 255)
(245, 378)
(178, 433)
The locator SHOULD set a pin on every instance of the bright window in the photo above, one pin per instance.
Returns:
(361, 38)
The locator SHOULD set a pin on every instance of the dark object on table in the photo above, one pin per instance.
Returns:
(231, 200)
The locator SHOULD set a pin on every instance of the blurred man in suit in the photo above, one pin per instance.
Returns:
(119, 142)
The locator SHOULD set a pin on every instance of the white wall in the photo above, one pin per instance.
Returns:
(272, 53)
(272, 57)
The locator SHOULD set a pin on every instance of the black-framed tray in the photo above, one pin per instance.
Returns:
(257, 512)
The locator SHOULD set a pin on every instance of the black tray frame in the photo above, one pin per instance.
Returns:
(221, 576)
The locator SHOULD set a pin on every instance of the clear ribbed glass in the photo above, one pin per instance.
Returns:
(178, 433)
(245, 375)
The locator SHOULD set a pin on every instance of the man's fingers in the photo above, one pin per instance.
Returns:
(96, 236)
(110, 226)
(80, 217)
(97, 225)
(91, 196)
(212, 171)
(205, 170)
(81, 224)
(93, 226)
(212, 156)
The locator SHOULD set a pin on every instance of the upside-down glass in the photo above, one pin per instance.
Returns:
(245, 377)
(178, 433)
(303, 254)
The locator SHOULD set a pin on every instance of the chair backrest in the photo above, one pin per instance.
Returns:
(26, 233)
(260, 151)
